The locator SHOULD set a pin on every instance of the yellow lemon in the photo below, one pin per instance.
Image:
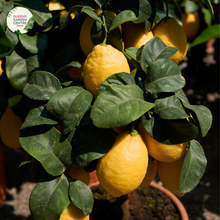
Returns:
(73, 213)
(1, 70)
(169, 174)
(159, 151)
(9, 125)
(102, 62)
(134, 35)
(123, 168)
(150, 175)
(173, 35)
(84, 37)
(191, 24)
(79, 174)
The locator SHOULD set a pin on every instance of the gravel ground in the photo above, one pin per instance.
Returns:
(202, 203)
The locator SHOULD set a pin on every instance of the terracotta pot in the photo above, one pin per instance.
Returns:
(2, 178)
(176, 201)
(184, 216)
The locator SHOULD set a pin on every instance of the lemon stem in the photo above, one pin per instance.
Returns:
(106, 31)
(167, 10)
(133, 130)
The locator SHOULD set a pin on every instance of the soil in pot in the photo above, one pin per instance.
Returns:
(150, 204)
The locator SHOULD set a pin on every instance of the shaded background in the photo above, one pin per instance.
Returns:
(201, 72)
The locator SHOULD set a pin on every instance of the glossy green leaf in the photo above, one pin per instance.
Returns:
(164, 76)
(49, 199)
(6, 8)
(118, 79)
(45, 145)
(5, 43)
(92, 14)
(68, 106)
(2, 2)
(81, 196)
(90, 143)
(193, 167)
(37, 116)
(41, 14)
(153, 50)
(35, 44)
(41, 85)
(119, 105)
(170, 108)
(18, 69)
(169, 131)
(12, 37)
(209, 33)
(136, 11)
(203, 114)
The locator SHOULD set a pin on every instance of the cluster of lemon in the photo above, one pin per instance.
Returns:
(135, 157)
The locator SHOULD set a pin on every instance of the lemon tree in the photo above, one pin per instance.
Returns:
(68, 130)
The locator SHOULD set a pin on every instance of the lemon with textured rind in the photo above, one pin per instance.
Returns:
(134, 35)
(84, 37)
(1, 70)
(79, 174)
(169, 174)
(150, 175)
(191, 24)
(102, 62)
(159, 151)
(123, 168)
(173, 35)
(10, 125)
(73, 213)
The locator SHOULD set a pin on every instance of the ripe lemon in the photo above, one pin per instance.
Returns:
(159, 151)
(150, 175)
(84, 37)
(169, 174)
(79, 174)
(102, 62)
(191, 24)
(73, 213)
(123, 168)
(9, 125)
(173, 35)
(1, 70)
(134, 35)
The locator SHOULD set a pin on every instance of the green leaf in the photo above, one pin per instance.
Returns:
(41, 14)
(136, 11)
(49, 199)
(37, 116)
(92, 14)
(170, 108)
(209, 33)
(68, 106)
(153, 50)
(2, 2)
(18, 69)
(45, 145)
(209, 4)
(81, 196)
(6, 8)
(193, 167)
(117, 79)
(90, 143)
(164, 76)
(12, 37)
(119, 105)
(169, 131)
(41, 85)
(100, 2)
(35, 44)
(5, 43)
(202, 113)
